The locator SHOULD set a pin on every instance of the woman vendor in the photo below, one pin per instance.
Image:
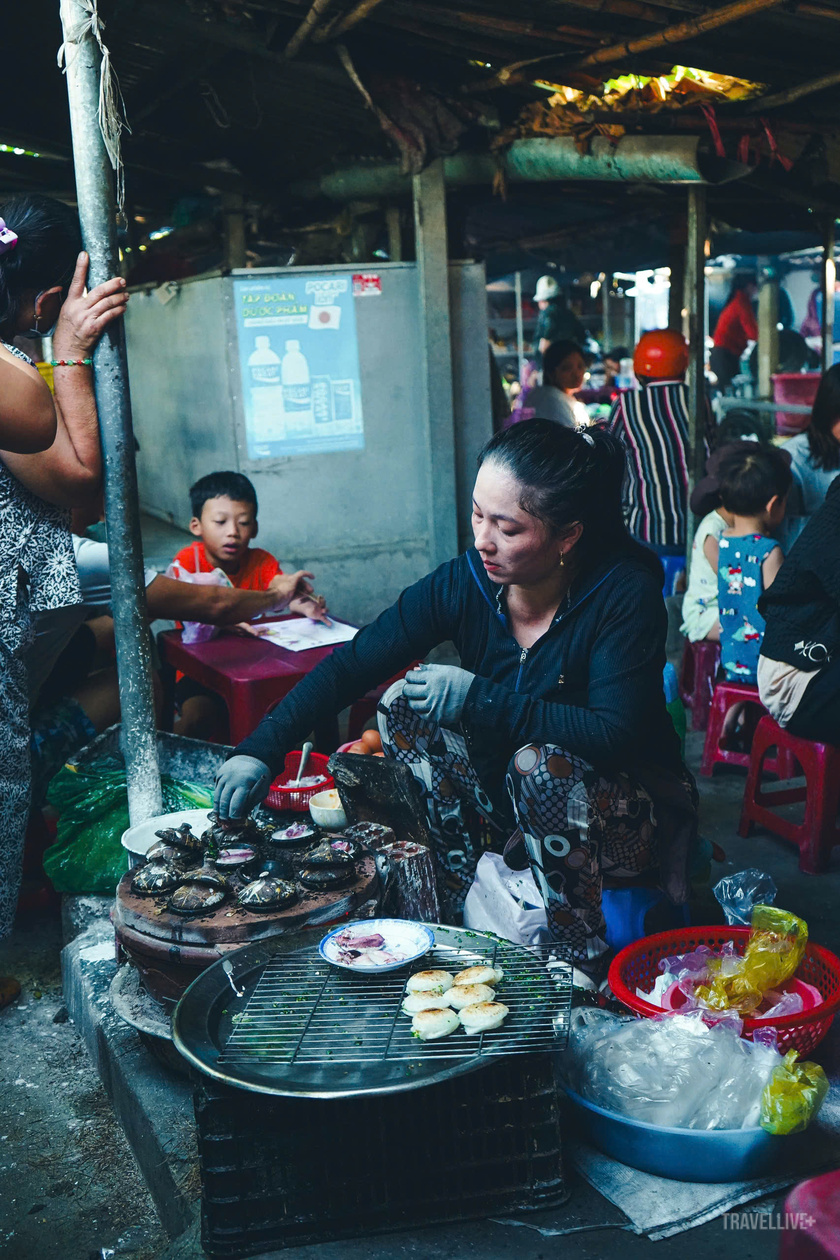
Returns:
(556, 719)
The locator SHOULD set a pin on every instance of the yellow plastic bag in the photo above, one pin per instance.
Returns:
(793, 1096)
(775, 949)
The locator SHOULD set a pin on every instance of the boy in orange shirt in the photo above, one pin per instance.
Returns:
(224, 521)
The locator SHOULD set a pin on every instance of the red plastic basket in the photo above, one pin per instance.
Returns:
(282, 797)
(637, 966)
(794, 387)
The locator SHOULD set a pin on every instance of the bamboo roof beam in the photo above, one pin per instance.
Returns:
(306, 28)
(340, 26)
(787, 97)
(676, 34)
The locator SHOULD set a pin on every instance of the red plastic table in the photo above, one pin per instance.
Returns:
(250, 674)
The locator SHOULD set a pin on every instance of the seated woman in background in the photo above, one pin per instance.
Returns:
(564, 371)
(814, 456)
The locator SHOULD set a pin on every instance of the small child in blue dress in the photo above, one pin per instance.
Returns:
(754, 485)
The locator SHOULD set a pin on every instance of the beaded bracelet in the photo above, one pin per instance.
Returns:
(71, 362)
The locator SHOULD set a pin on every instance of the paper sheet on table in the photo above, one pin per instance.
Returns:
(299, 634)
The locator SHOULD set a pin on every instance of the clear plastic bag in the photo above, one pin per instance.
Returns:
(738, 894)
(198, 631)
(678, 1071)
(775, 949)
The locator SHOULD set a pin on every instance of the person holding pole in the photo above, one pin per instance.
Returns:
(49, 461)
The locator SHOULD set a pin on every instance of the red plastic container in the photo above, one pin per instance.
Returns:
(794, 387)
(637, 966)
(280, 796)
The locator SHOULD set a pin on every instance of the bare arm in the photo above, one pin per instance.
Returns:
(711, 551)
(770, 567)
(69, 473)
(27, 413)
(220, 605)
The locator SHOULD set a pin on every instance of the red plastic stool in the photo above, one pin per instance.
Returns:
(812, 1220)
(818, 832)
(726, 696)
(698, 671)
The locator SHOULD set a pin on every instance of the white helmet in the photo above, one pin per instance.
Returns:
(547, 288)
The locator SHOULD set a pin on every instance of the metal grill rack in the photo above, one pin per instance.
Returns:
(304, 1011)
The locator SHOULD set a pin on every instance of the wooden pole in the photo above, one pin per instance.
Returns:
(346, 23)
(762, 103)
(394, 229)
(695, 301)
(520, 333)
(307, 26)
(829, 276)
(768, 326)
(676, 34)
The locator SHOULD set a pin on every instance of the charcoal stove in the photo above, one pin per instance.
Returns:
(169, 950)
(362, 1130)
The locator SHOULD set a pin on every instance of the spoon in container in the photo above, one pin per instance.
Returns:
(227, 968)
(304, 757)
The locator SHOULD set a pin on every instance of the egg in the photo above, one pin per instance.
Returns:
(358, 747)
(372, 741)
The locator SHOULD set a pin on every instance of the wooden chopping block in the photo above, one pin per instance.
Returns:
(413, 890)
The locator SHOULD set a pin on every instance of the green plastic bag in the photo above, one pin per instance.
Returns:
(92, 804)
(793, 1096)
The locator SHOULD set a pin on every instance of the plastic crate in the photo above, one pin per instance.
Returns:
(794, 387)
(286, 1172)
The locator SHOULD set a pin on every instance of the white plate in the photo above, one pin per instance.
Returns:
(139, 839)
(412, 940)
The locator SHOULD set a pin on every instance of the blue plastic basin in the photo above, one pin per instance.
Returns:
(710, 1155)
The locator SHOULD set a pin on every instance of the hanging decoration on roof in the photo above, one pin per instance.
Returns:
(111, 115)
(421, 122)
(572, 112)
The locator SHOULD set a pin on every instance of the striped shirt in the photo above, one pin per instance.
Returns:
(653, 425)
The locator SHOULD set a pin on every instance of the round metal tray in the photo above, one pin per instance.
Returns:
(204, 1020)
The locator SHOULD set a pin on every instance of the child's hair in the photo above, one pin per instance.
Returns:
(750, 474)
(48, 245)
(217, 485)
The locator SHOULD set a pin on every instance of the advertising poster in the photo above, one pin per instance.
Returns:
(299, 359)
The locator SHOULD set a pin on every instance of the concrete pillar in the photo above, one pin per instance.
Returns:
(695, 305)
(97, 215)
(436, 351)
(768, 326)
(829, 275)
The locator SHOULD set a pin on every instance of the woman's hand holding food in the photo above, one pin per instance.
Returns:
(438, 692)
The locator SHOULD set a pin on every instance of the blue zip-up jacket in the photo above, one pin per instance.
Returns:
(591, 684)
